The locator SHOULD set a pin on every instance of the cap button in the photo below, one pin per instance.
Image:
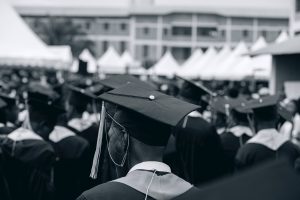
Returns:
(49, 103)
(151, 97)
(260, 100)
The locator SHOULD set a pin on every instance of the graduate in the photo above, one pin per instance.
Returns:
(238, 132)
(29, 158)
(9, 116)
(268, 143)
(139, 130)
(198, 150)
(71, 170)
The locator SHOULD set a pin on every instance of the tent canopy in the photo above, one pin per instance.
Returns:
(20, 46)
(215, 63)
(166, 66)
(64, 53)
(111, 63)
(87, 56)
(288, 47)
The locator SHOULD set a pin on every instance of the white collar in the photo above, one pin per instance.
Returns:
(195, 114)
(9, 124)
(23, 134)
(270, 138)
(239, 130)
(59, 133)
(1, 125)
(80, 124)
(150, 166)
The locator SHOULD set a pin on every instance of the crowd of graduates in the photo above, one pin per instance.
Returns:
(68, 136)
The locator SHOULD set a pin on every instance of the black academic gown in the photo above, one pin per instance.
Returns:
(266, 145)
(137, 184)
(232, 140)
(199, 152)
(5, 130)
(71, 171)
(28, 161)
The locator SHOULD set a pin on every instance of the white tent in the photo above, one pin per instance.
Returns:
(261, 65)
(225, 69)
(87, 56)
(20, 46)
(64, 53)
(200, 64)
(215, 63)
(166, 66)
(111, 63)
(282, 37)
(196, 55)
(134, 66)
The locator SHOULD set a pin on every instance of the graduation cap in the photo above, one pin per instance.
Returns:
(114, 82)
(82, 67)
(194, 91)
(276, 180)
(97, 89)
(146, 109)
(2, 103)
(265, 108)
(80, 97)
(44, 97)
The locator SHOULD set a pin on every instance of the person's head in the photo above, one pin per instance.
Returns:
(140, 124)
(44, 108)
(265, 112)
(200, 152)
(77, 101)
(194, 93)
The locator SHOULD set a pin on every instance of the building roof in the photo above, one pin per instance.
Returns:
(149, 10)
(288, 47)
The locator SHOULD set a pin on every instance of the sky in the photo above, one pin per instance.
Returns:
(279, 4)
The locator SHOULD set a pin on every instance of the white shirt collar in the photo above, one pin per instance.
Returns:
(239, 130)
(150, 166)
(80, 124)
(23, 134)
(195, 114)
(270, 138)
(59, 133)
(1, 125)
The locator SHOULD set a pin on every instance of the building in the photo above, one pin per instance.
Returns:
(295, 18)
(148, 30)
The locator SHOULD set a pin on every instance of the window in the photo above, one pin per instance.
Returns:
(245, 33)
(223, 33)
(297, 5)
(123, 26)
(182, 31)
(146, 31)
(264, 34)
(87, 25)
(106, 26)
(105, 46)
(166, 31)
(145, 51)
(123, 46)
(207, 32)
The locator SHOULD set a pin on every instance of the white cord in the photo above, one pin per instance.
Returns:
(150, 184)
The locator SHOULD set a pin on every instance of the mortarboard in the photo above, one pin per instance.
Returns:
(82, 67)
(121, 80)
(146, 108)
(44, 98)
(276, 180)
(96, 89)
(263, 102)
(2, 103)
(194, 90)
